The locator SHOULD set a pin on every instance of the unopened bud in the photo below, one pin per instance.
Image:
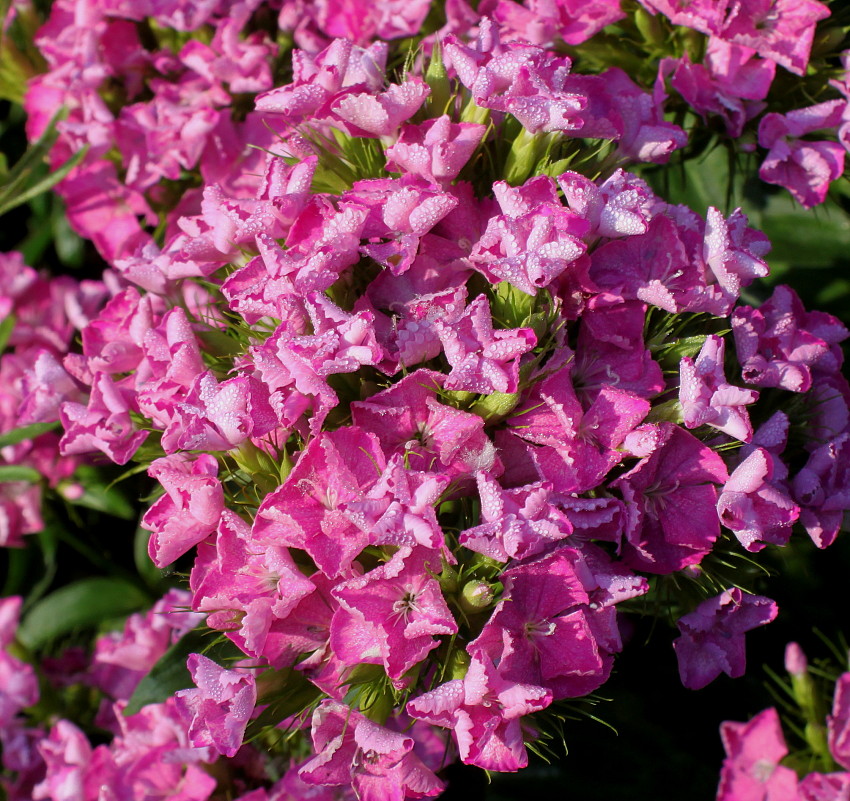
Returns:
(795, 660)
(476, 596)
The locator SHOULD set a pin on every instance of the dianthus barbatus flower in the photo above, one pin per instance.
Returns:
(712, 639)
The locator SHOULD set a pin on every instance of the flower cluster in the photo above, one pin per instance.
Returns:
(432, 387)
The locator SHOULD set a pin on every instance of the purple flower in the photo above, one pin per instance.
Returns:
(775, 343)
(712, 636)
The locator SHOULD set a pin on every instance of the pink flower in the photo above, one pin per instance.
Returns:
(218, 711)
(753, 507)
(391, 614)
(707, 399)
(380, 763)
(483, 359)
(189, 511)
(712, 636)
(805, 168)
(436, 149)
(485, 712)
(751, 770)
(103, 425)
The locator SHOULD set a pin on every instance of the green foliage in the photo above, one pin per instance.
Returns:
(170, 673)
(83, 604)
(24, 433)
(29, 177)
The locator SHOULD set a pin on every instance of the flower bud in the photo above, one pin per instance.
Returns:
(476, 596)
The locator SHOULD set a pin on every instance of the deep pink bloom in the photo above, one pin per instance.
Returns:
(753, 507)
(707, 399)
(244, 585)
(380, 763)
(309, 510)
(103, 425)
(543, 631)
(671, 520)
(391, 614)
(218, 711)
(408, 420)
(485, 712)
(190, 509)
(712, 636)
(751, 770)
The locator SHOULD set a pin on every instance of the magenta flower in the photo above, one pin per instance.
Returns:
(381, 764)
(483, 359)
(408, 420)
(751, 770)
(485, 713)
(516, 523)
(190, 509)
(103, 425)
(753, 507)
(245, 585)
(822, 488)
(838, 722)
(218, 711)
(731, 83)
(707, 399)
(309, 510)
(805, 168)
(543, 630)
(219, 416)
(712, 636)
(391, 614)
(670, 503)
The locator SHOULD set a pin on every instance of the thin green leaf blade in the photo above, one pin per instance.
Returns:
(80, 605)
(24, 433)
(14, 472)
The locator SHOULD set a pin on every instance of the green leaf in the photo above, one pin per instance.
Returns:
(101, 495)
(13, 472)
(287, 692)
(151, 574)
(24, 433)
(170, 673)
(80, 605)
(6, 328)
(12, 199)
